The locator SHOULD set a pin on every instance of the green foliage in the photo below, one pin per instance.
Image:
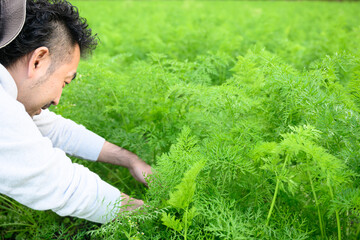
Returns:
(20, 222)
(184, 193)
(181, 199)
(247, 111)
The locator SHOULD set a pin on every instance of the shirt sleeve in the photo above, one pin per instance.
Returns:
(42, 177)
(72, 138)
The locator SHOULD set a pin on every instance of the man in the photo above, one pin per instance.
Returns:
(41, 42)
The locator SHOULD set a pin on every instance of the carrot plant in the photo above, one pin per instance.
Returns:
(247, 111)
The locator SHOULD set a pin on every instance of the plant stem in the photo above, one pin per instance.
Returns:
(317, 206)
(273, 202)
(276, 192)
(186, 216)
(336, 211)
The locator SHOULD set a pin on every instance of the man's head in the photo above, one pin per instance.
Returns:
(45, 54)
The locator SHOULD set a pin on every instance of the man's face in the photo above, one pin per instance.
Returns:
(46, 89)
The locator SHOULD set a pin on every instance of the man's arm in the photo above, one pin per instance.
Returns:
(76, 140)
(72, 138)
(110, 153)
(113, 154)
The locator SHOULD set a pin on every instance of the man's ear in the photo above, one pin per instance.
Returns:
(38, 62)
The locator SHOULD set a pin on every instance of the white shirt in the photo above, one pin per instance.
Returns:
(34, 169)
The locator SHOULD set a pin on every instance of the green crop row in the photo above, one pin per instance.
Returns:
(247, 111)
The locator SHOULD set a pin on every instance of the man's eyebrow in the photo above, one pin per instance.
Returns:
(74, 76)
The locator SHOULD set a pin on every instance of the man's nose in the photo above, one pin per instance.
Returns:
(56, 101)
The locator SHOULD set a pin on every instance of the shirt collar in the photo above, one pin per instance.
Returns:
(7, 82)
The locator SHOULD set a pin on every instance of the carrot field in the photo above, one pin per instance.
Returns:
(248, 112)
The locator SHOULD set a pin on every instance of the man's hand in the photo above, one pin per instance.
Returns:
(140, 170)
(129, 204)
(113, 154)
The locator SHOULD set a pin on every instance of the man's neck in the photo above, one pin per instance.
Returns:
(7, 82)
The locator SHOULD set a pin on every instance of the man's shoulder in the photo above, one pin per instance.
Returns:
(8, 104)
(13, 116)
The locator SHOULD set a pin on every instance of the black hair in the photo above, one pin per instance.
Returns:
(54, 24)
